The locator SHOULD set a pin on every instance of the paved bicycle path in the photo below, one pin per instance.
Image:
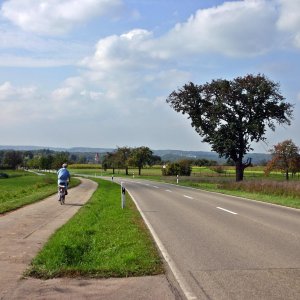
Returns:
(22, 234)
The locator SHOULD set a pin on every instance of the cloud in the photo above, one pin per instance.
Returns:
(18, 104)
(55, 17)
(289, 19)
(236, 29)
(25, 49)
(125, 51)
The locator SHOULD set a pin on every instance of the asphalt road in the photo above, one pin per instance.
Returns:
(223, 247)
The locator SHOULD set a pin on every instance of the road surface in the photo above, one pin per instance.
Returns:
(223, 247)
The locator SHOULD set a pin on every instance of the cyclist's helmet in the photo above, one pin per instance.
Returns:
(64, 165)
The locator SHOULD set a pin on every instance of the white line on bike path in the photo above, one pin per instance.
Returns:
(188, 197)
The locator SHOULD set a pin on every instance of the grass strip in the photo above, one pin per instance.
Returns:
(101, 240)
(288, 201)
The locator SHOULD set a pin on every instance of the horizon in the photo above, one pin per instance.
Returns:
(112, 148)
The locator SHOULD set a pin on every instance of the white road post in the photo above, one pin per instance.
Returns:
(123, 195)
(177, 179)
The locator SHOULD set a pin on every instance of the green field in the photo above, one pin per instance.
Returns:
(227, 171)
(101, 240)
(22, 188)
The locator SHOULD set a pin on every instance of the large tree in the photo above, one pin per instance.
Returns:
(230, 115)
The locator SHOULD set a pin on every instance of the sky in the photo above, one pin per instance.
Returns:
(97, 73)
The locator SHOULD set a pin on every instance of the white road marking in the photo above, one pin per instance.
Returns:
(155, 186)
(178, 276)
(188, 197)
(169, 191)
(229, 211)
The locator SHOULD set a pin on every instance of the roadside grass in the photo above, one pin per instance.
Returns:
(22, 188)
(281, 193)
(101, 240)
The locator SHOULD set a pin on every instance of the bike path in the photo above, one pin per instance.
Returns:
(23, 233)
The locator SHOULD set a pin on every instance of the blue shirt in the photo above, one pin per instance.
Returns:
(63, 174)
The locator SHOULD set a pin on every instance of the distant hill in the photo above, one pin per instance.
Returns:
(171, 155)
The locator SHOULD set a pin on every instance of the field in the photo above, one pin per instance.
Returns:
(22, 188)
(226, 171)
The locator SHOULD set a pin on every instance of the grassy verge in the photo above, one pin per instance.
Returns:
(101, 240)
(287, 198)
(22, 188)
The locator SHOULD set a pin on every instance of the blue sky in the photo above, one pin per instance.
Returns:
(96, 73)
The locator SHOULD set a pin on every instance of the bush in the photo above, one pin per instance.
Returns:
(182, 168)
(3, 175)
(218, 169)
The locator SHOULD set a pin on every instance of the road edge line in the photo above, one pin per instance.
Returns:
(179, 278)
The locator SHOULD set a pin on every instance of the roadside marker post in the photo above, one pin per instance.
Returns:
(123, 195)
(177, 179)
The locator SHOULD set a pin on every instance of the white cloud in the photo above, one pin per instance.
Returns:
(239, 28)
(128, 50)
(18, 104)
(10, 93)
(289, 20)
(55, 17)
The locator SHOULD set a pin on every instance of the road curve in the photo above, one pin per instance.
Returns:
(224, 247)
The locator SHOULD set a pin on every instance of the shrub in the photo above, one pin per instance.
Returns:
(182, 168)
(3, 175)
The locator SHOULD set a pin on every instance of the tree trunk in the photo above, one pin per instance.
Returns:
(287, 174)
(140, 170)
(126, 169)
(239, 171)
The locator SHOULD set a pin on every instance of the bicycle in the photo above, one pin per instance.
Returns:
(61, 193)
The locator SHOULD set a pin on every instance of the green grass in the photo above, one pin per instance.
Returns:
(101, 240)
(22, 188)
(281, 193)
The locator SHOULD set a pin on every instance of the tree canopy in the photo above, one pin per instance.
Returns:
(286, 157)
(231, 114)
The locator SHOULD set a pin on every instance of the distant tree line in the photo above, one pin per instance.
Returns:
(38, 159)
(285, 157)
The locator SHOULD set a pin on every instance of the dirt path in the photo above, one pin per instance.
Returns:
(24, 231)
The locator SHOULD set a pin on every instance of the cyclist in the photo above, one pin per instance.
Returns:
(63, 176)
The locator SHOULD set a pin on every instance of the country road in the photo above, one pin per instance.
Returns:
(223, 247)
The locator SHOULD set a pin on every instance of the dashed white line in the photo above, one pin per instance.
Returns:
(169, 191)
(155, 186)
(229, 211)
(188, 197)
